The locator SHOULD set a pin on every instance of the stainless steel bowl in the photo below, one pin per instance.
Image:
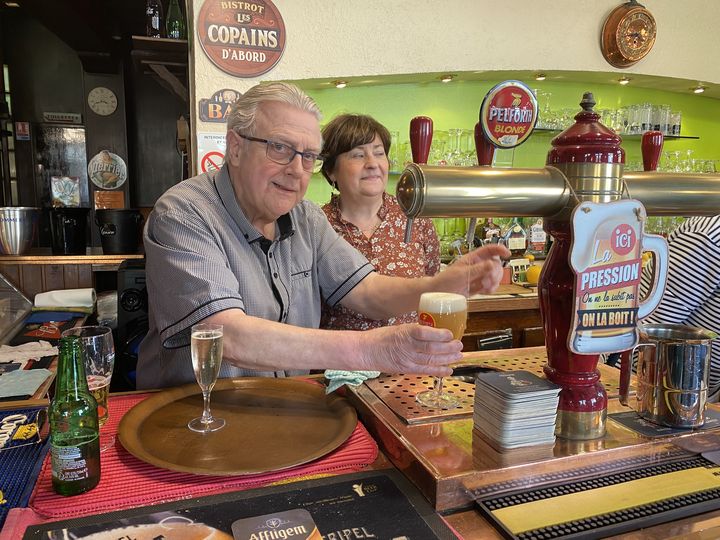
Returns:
(18, 227)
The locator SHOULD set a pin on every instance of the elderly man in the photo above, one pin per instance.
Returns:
(241, 248)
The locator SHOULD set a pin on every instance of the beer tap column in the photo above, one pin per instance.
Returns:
(585, 163)
(590, 157)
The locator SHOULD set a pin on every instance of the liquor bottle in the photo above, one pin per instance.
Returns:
(536, 239)
(175, 24)
(74, 428)
(487, 231)
(516, 239)
(153, 18)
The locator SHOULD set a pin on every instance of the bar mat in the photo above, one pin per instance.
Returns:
(609, 504)
(21, 454)
(371, 505)
(631, 420)
(127, 482)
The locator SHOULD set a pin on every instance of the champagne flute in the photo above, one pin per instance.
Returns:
(442, 310)
(206, 347)
(99, 364)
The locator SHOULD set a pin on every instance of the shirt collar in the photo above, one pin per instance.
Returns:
(224, 187)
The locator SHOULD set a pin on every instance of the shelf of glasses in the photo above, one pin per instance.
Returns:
(631, 136)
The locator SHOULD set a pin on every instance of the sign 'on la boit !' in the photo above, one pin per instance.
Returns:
(242, 38)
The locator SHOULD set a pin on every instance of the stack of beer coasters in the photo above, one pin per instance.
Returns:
(515, 409)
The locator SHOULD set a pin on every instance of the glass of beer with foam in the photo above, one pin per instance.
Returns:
(99, 364)
(442, 310)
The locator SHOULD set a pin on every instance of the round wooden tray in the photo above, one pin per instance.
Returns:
(271, 424)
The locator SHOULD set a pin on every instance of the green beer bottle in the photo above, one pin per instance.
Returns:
(175, 24)
(74, 428)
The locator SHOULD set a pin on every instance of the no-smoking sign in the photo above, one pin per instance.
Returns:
(212, 161)
(211, 151)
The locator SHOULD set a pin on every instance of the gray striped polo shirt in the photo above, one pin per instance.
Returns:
(204, 256)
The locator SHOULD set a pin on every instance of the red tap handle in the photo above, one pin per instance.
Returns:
(484, 149)
(421, 133)
(651, 146)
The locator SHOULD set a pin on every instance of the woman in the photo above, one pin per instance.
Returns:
(356, 164)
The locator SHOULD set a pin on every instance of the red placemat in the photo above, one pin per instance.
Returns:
(127, 482)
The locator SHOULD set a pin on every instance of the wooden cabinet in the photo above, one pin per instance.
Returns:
(39, 271)
(492, 316)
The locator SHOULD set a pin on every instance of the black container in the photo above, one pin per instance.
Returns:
(120, 230)
(68, 228)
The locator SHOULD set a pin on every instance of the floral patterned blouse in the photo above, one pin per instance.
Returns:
(387, 252)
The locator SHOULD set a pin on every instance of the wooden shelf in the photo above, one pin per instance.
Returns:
(45, 256)
(165, 58)
(146, 50)
(625, 136)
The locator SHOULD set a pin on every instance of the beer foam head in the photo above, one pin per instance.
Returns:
(152, 531)
(442, 302)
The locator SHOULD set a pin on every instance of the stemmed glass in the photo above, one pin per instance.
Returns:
(442, 310)
(206, 348)
(99, 364)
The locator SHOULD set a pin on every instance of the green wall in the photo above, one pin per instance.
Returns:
(456, 105)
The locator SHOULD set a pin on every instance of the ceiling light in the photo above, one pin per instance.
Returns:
(340, 84)
(539, 76)
(447, 78)
(699, 89)
(623, 80)
(12, 4)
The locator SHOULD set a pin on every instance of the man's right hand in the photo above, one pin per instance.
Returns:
(409, 348)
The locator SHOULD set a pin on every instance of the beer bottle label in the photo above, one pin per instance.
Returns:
(70, 463)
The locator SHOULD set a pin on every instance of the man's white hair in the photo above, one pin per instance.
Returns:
(243, 112)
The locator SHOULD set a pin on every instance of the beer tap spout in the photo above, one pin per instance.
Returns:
(408, 230)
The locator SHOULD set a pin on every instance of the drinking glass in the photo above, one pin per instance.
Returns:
(99, 364)
(442, 310)
(206, 348)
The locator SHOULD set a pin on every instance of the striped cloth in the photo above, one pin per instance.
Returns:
(692, 294)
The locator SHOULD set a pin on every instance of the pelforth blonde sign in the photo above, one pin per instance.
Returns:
(244, 39)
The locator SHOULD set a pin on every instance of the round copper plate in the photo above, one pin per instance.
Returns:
(271, 424)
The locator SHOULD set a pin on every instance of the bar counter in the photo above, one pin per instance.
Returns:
(450, 465)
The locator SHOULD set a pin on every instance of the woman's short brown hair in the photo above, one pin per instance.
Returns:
(347, 131)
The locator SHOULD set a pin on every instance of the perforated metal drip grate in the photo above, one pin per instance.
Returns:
(398, 392)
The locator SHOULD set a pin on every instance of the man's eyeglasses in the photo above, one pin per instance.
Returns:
(283, 154)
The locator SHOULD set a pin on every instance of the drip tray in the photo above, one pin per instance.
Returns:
(398, 391)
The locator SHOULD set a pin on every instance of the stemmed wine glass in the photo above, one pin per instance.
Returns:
(206, 348)
(442, 310)
(99, 364)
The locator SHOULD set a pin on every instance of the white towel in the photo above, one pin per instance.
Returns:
(66, 298)
(26, 351)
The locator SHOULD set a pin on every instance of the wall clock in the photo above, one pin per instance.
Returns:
(102, 101)
(628, 34)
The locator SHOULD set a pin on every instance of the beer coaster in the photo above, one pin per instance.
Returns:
(297, 523)
(631, 420)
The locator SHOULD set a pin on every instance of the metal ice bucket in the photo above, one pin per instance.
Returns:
(18, 227)
(672, 374)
